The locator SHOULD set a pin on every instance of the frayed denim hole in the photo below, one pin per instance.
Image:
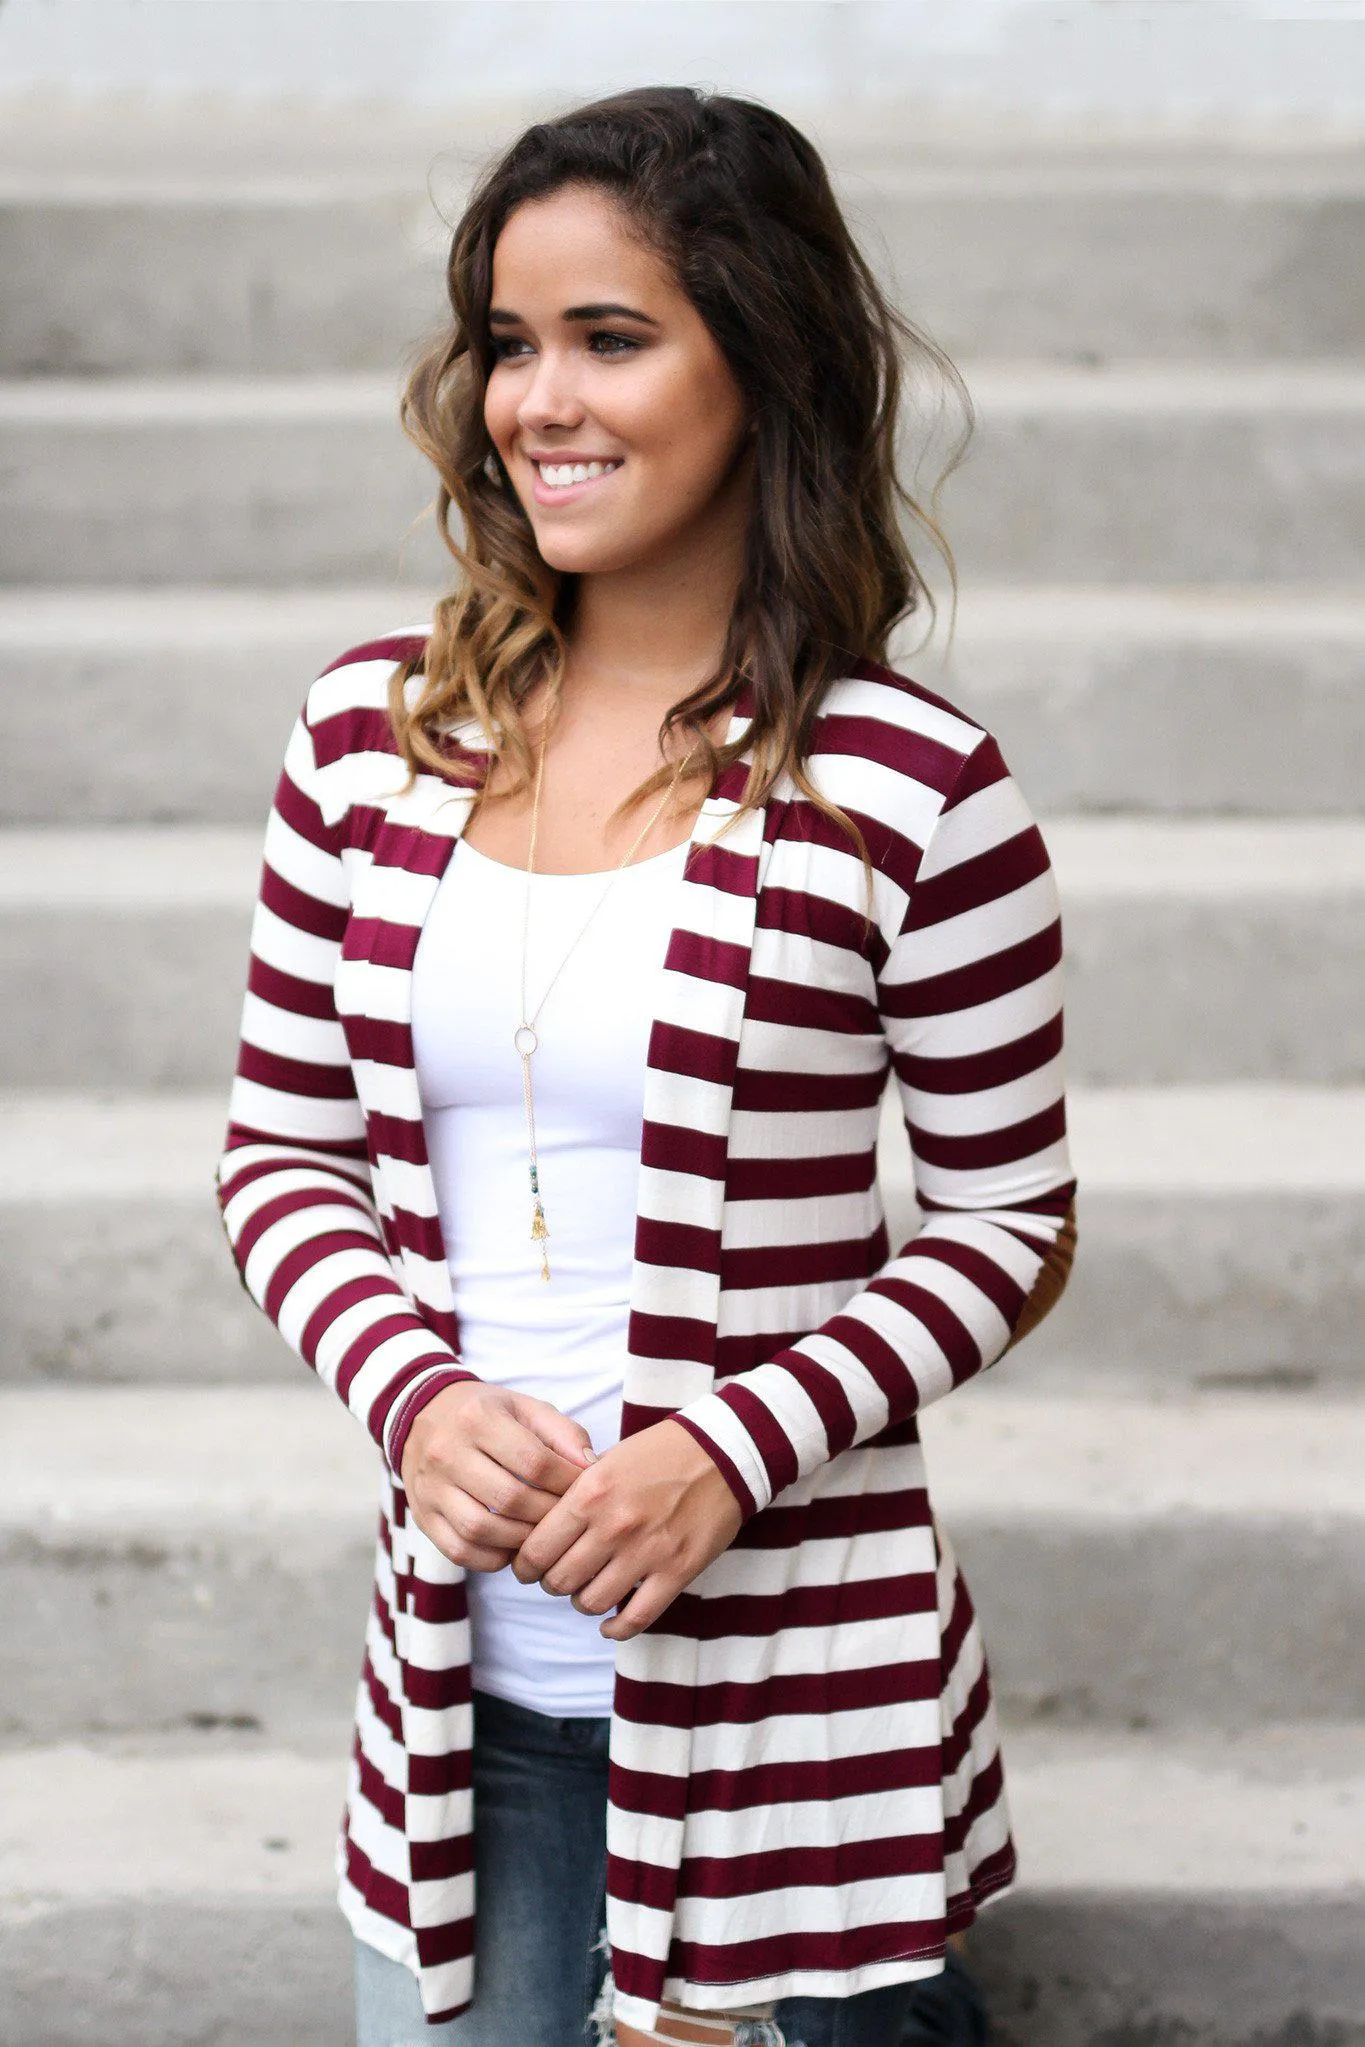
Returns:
(601, 2018)
(759, 2033)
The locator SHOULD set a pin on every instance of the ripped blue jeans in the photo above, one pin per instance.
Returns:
(541, 1959)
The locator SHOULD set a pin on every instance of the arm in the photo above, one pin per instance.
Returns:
(970, 997)
(293, 1181)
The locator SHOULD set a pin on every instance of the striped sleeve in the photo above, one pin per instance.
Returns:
(293, 1181)
(970, 998)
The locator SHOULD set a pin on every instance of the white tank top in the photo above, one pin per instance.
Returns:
(563, 1340)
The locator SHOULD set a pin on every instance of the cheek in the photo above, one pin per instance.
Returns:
(687, 431)
(499, 411)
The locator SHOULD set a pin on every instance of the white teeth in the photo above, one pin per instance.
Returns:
(559, 475)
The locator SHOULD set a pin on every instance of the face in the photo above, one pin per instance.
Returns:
(614, 411)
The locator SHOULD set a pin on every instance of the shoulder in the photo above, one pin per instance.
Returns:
(346, 708)
(887, 736)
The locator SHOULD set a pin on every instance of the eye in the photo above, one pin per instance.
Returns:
(505, 345)
(607, 344)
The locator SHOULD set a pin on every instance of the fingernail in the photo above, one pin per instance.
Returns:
(590, 1453)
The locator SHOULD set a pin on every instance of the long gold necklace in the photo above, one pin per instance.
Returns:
(525, 1038)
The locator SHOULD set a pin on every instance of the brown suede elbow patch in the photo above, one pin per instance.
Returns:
(1053, 1274)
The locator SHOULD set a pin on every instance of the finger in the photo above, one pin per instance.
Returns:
(528, 1459)
(611, 1585)
(582, 1562)
(499, 1492)
(474, 1522)
(472, 1556)
(644, 1606)
(548, 1541)
(569, 1439)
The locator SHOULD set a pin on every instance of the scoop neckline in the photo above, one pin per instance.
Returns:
(581, 873)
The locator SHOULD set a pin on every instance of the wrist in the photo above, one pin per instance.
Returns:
(415, 1404)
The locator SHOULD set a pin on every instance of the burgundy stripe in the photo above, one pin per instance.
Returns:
(304, 912)
(796, 1179)
(358, 728)
(855, 1948)
(757, 1266)
(289, 992)
(1004, 973)
(393, 647)
(676, 1150)
(810, 1866)
(304, 1077)
(897, 1768)
(808, 915)
(975, 1071)
(381, 1893)
(387, 1800)
(810, 1008)
(302, 816)
(967, 1152)
(753, 1614)
(434, 1862)
(694, 1053)
(803, 1093)
(437, 1776)
(726, 1465)
(379, 1038)
(934, 762)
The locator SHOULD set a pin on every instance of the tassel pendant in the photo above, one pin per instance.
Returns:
(539, 1228)
(526, 1041)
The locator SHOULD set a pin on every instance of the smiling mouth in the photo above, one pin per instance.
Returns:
(564, 475)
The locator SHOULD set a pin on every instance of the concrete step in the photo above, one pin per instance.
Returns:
(201, 1555)
(1222, 1245)
(1238, 473)
(1164, 701)
(1207, 949)
(1168, 701)
(1207, 1892)
(266, 267)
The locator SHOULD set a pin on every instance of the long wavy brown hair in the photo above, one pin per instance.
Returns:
(740, 205)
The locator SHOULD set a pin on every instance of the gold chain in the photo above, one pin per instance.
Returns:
(525, 1038)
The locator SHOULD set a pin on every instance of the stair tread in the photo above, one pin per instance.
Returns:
(102, 617)
(139, 867)
(1199, 384)
(133, 1458)
(1275, 1811)
(1191, 1137)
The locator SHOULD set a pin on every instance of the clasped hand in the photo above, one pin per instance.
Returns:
(499, 1478)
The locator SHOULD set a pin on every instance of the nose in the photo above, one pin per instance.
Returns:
(549, 398)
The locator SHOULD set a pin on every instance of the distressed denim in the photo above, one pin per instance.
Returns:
(541, 1960)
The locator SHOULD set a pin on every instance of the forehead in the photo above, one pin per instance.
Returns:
(576, 246)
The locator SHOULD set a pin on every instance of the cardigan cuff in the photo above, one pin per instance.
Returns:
(715, 1425)
(432, 1382)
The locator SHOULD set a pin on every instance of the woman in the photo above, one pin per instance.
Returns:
(672, 1688)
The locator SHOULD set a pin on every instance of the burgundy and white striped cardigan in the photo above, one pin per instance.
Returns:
(806, 1793)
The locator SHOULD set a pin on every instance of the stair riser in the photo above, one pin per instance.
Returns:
(1165, 726)
(1210, 495)
(1172, 1291)
(1127, 1622)
(1156, 991)
(1183, 1970)
(1109, 723)
(178, 1972)
(1050, 270)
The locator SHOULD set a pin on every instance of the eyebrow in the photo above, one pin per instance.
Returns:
(497, 317)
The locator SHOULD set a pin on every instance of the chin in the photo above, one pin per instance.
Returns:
(584, 554)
